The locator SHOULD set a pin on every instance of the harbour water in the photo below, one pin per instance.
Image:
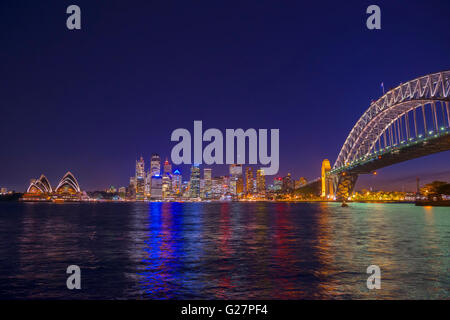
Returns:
(229, 250)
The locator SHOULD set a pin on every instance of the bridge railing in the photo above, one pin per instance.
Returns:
(390, 149)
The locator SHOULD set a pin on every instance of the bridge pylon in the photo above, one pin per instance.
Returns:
(344, 183)
(327, 181)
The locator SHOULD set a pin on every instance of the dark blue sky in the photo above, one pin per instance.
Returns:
(92, 101)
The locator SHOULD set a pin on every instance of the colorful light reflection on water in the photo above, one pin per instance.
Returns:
(226, 250)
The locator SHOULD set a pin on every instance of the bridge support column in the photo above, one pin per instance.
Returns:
(344, 184)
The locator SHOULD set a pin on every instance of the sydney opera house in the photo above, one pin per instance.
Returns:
(67, 189)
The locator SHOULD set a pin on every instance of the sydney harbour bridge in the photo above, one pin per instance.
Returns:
(407, 122)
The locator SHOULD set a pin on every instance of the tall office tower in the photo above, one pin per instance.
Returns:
(155, 165)
(167, 167)
(202, 188)
(140, 188)
(185, 189)
(195, 181)
(167, 179)
(140, 167)
(235, 170)
(207, 172)
(260, 182)
(156, 189)
(177, 182)
(148, 184)
(236, 179)
(133, 182)
(166, 186)
(232, 188)
(131, 190)
(249, 180)
(240, 185)
(288, 185)
(226, 183)
(140, 179)
(216, 187)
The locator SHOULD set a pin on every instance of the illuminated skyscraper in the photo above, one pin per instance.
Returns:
(249, 180)
(166, 186)
(232, 186)
(176, 182)
(236, 179)
(148, 184)
(207, 172)
(156, 193)
(167, 179)
(288, 184)
(260, 182)
(195, 181)
(155, 165)
(167, 167)
(155, 173)
(140, 179)
(131, 190)
(240, 185)
(140, 167)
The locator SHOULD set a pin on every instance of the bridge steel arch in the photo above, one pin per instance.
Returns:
(373, 132)
(388, 108)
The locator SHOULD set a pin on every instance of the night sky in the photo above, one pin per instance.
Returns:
(94, 100)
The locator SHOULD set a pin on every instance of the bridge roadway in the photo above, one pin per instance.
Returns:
(391, 155)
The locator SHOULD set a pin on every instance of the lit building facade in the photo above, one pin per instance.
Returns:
(195, 182)
(140, 179)
(288, 184)
(260, 182)
(207, 177)
(67, 189)
(155, 165)
(156, 193)
(249, 181)
(177, 183)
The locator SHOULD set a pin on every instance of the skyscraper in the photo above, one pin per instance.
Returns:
(167, 179)
(167, 167)
(176, 182)
(148, 184)
(249, 180)
(260, 182)
(140, 179)
(140, 167)
(207, 172)
(155, 165)
(195, 181)
(155, 173)
(156, 193)
(240, 185)
(236, 179)
(288, 184)
(131, 190)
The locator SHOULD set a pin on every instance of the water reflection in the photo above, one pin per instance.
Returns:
(224, 250)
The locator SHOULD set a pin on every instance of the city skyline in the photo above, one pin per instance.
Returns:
(228, 77)
(228, 156)
(406, 183)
